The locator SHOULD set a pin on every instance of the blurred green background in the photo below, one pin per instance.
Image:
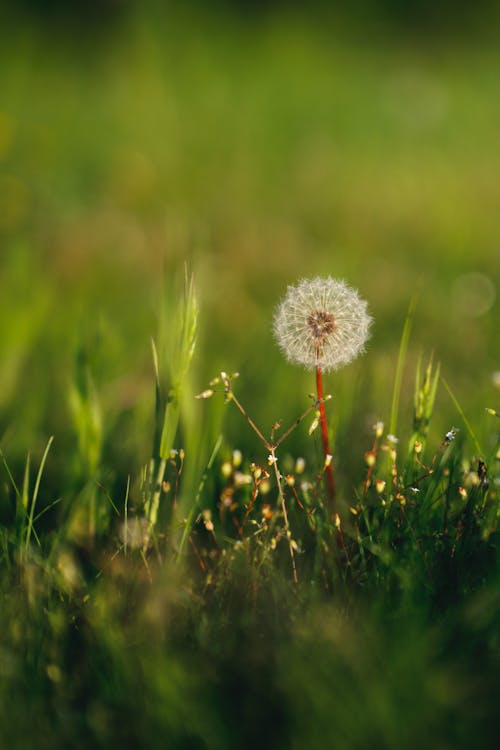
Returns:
(261, 142)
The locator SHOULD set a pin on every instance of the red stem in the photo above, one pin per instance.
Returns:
(330, 482)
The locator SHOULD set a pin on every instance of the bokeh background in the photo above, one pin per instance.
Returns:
(261, 142)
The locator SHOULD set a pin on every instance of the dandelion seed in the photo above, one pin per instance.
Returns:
(321, 323)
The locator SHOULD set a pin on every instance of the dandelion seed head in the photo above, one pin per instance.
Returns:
(321, 323)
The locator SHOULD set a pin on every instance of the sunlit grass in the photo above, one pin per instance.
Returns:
(156, 593)
(170, 576)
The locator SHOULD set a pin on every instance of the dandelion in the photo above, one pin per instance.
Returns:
(322, 324)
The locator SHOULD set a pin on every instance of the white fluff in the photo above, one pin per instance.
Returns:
(321, 323)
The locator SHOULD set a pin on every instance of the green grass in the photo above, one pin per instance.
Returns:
(146, 576)
(179, 604)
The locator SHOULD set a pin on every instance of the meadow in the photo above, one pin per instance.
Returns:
(174, 570)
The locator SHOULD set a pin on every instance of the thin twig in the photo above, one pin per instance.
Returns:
(294, 425)
(285, 514)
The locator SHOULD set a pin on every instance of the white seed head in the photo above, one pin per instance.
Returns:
(321, 323)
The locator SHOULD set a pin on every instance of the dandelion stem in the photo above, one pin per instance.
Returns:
(330, 482)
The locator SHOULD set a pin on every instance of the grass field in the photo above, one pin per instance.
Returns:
(164, 176)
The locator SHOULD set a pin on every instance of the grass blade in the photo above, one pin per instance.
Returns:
(29, 530)
(398, 378)
(466, 422)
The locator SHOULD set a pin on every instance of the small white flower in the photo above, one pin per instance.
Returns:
(321, 323)
(392, 439)
(271, 459)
